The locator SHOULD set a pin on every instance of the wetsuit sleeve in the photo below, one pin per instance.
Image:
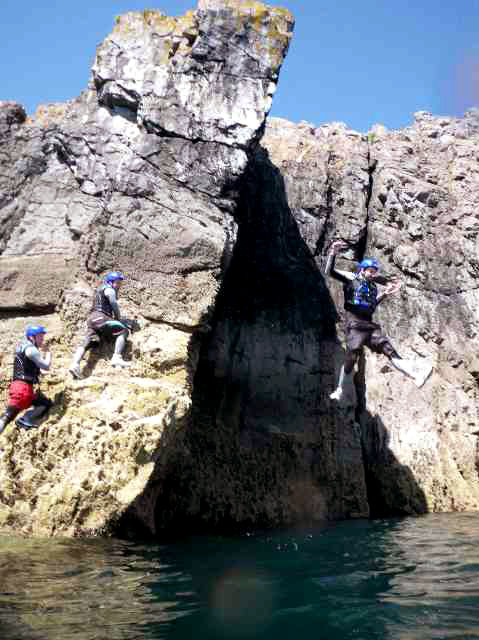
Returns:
(337, 274)
(111, 295)
(35, 356)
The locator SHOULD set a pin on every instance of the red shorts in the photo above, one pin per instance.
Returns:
(20, 394)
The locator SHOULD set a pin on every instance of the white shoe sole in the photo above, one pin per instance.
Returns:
(420, 379)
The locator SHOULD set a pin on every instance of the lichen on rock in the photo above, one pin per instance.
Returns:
(154, 65)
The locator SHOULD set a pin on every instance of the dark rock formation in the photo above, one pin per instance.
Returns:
(160, 168)
(265, 445)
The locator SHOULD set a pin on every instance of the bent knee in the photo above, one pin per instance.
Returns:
(388, 350)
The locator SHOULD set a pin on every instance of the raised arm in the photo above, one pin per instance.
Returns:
(330, 269)
(390, 289)
(34, 354)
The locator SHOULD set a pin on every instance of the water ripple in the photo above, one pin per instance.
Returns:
(397, 579)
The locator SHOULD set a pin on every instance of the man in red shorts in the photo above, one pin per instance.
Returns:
(27, 365)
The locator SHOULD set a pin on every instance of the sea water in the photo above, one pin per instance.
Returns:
(412, 578)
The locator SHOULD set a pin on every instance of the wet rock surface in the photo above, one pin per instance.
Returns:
(164, 168)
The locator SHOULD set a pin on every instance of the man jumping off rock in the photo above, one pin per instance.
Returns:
(27, 365)
(361, 298)
(104, 321)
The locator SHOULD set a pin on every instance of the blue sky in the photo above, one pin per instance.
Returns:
(351, 61)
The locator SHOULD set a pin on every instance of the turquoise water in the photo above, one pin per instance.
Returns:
(389, 579)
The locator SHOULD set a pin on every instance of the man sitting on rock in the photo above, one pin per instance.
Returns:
(27, 366)
(361, 298)
(104, 321)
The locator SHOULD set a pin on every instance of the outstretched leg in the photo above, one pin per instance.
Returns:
(75, 365)
(90, 340)
(120, 344)
(419, 374)
(411, 369)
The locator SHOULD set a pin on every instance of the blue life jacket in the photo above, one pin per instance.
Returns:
(361, 296)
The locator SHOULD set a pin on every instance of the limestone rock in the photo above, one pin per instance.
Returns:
(266, 446)
(412, 202)
(140, 173)
(160, 168)
(155, 66)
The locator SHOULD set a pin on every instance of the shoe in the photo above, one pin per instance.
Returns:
(418, 370)
(30, 418)
(337, 395)
(75, 371)
(117, 361)
(344, 382)
(421, 376)
(3, 424)
(404, 366)
(23, 424)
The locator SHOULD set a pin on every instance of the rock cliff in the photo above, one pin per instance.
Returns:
(165, 168)
(410, 198)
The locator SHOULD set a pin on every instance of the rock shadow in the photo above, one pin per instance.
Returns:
(263, 446)
(61, 401)
(391, 486)
(94, 355)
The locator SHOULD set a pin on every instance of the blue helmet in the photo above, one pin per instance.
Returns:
(369, 262)
(34, 330)
(111, 276)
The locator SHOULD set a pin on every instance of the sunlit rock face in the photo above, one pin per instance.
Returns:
(165, 169)
(190, 77)
(143, 167)
(139, 173)
(409, 198)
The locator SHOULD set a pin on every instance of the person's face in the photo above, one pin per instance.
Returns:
(370, 273)
(39, 339)
(116, 284)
